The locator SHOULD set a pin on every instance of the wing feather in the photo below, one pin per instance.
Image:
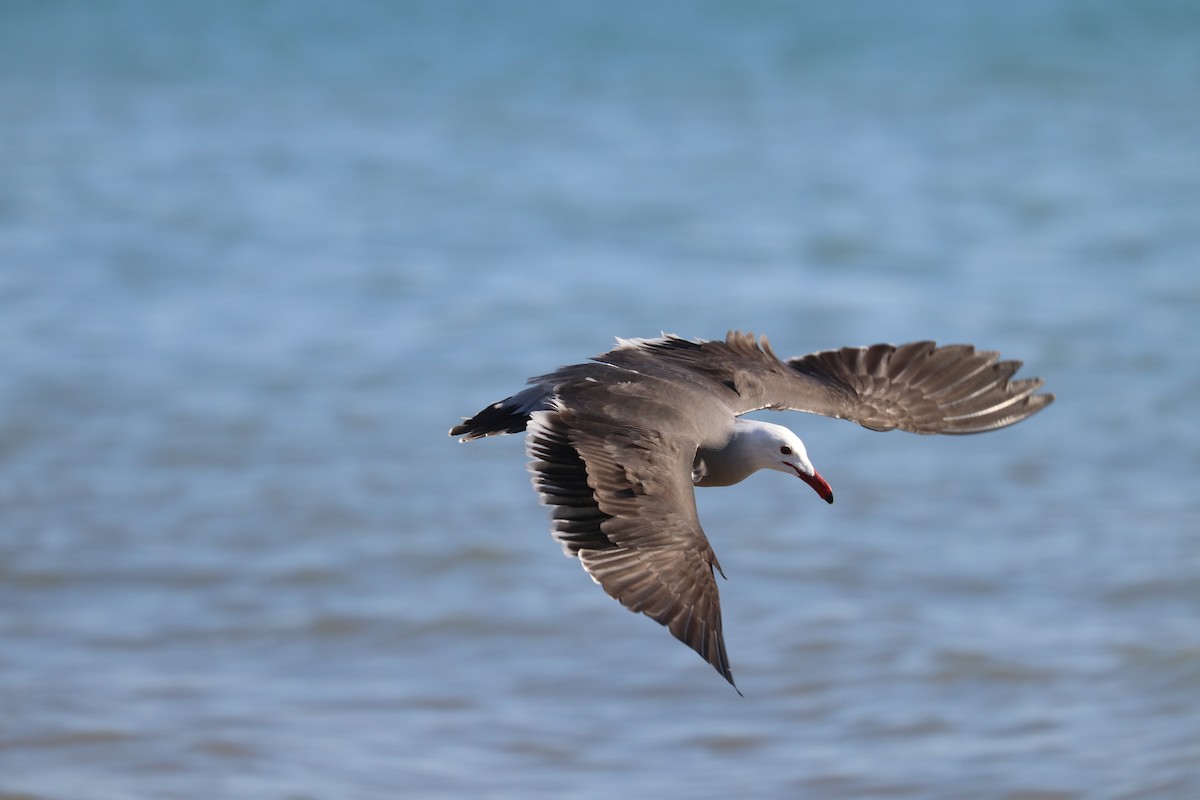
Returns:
(624, 505)
(916, 387)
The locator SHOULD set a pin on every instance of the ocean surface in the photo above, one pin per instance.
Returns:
(257, 258)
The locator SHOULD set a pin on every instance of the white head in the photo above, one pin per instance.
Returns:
(776, 447)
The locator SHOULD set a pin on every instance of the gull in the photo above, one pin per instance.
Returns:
(617, 445)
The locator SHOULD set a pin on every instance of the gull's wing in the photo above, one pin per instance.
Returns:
(624, 504)
(916, 387)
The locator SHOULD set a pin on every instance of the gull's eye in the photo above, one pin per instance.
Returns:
(787, 451)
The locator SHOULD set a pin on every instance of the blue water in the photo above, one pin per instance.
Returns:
(257, 258)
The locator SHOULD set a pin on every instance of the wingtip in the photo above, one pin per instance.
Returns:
(725, 672)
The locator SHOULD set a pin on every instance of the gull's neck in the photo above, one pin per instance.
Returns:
(737, 459)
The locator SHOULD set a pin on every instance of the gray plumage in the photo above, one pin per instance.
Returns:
(617, 444)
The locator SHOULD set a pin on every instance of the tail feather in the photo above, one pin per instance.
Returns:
(510, 415)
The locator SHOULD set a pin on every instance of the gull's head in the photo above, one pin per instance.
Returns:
(776, 447)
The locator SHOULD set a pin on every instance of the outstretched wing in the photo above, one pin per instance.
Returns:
(916, 387)
(919, 387)
(624, 504)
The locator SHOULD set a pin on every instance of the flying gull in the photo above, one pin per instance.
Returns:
(617, 445)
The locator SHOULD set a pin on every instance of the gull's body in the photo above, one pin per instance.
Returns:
(617, 445)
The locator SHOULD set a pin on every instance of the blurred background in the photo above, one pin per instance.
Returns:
(257, 258)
